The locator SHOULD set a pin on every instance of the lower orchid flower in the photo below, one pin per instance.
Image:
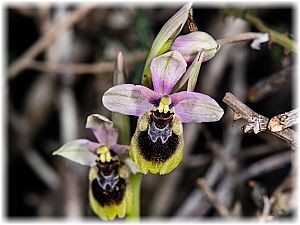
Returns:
(157, 144)
(110, 191)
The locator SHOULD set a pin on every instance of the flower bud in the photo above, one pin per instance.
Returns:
(190, 44)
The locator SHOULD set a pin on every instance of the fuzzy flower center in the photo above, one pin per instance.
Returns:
(104, 154)
(164, 104)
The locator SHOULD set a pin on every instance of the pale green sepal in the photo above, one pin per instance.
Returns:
(93, 121)
(194, 70)
(164, 39)
(77, 151)
(191, 74)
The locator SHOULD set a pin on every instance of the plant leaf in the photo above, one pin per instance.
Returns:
(164, 39)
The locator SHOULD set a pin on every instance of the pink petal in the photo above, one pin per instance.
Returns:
(196, 107)
(81, 151)
(190, 44)
(119, 149)
(166, 70)
(129, 99)
(103, 129)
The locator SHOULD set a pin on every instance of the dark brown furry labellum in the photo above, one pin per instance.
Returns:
(108, 188)
(158, 142)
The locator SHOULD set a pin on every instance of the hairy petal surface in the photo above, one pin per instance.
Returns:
(81, 151)
(196, 107)
(119, 149)
(166, 70)
(103, 129)
(190, 44)
(129, 99)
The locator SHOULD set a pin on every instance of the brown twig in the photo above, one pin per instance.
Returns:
(222, 210)
(222, 156)
(265, 215)
(263, 149)
(198, 160)
(271, 84)
(42, 169)
(257, 192)
(191, 23)
(240, 37)
(24, 10)
(28, 125)
(265, 166)
(284, 196)
(53, 32)
(275, 36)
(256, 122)
(81, 68)
(76, 69)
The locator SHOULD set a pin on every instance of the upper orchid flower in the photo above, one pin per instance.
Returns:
(189, 45)
(110, 192)
(157, 144)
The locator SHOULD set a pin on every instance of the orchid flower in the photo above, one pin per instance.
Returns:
(157, 144)
(110, 191)
(189, 45)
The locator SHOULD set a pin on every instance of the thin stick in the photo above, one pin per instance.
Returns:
(57, 29)
(256, 122)
(84, 68)
(212, 198)
(41, 168)
(275, 36)
(265, 215)
(262, 149)
(265, 166)
(271, 84)
(240, 37)
(76, 69)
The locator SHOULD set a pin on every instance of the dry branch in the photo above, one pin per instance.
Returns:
(241, 37)
(42, 169)
(284, 197)
(271, 84)
(275, 36)
(262, 149)
(266, 165)
(265, 215)
(256, 122)
(222, 210)
(43, 42)
(84, 68)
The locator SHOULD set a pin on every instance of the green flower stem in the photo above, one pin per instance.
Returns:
(275, 36)
(136, 181)
(122, 123)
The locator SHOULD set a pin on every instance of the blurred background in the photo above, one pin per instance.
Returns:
(68, 65)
